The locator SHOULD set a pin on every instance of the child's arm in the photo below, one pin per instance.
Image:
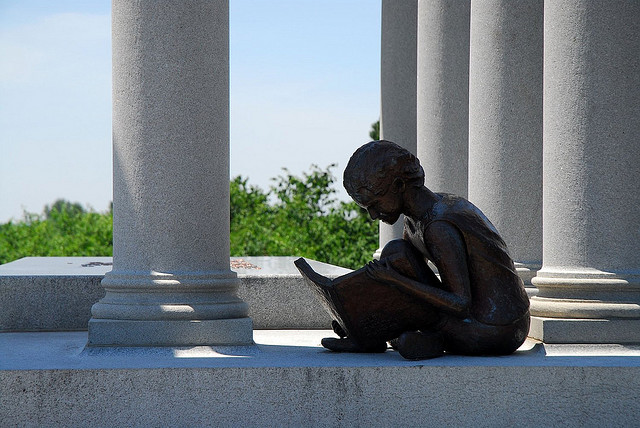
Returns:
(445, 244)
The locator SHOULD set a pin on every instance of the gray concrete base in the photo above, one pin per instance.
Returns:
(50, 293)
(526, 271)
(565, 330)
(106, 332)
(56, 293)
(277, 295)
(586, 305)
(49, 379)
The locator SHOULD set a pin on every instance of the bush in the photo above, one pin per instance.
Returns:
(298, 216)
(303, 219)
(64, 230)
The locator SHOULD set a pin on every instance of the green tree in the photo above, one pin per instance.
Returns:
(297, 216)
(304, 219)
(65, 229)
(374, 134)
(61, 205)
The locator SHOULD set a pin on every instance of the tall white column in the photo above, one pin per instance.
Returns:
(505, 123)
(443, 93)
(398, 87)
(589, 284)
(171, 284)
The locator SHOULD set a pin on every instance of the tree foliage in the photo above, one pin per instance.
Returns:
(298, 216)
(374, 133)
(65, 229)
(303, 219)
(63, 206)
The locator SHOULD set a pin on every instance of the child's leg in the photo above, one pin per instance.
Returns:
(408, 261)
(470, 337)
(418, 345)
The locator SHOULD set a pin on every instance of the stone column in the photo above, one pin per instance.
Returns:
(443, 93)
(171, 284)
(590, 278)
(398, 87)
(505, 124)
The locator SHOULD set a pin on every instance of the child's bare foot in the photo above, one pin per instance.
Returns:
(347, 345)
(417, 345)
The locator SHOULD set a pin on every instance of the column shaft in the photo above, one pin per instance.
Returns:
(590, 278)
(398, 86)
(171, 283)
(505, 123)
(443, 93)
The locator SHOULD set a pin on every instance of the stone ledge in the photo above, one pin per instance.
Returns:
(583, 330)
(56, 293)
(287, 379)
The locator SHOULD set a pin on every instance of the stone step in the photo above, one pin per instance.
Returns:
(56, 293)
(287, 379)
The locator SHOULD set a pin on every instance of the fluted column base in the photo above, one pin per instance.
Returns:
(586, 306)
(526, 271)
(170, 309)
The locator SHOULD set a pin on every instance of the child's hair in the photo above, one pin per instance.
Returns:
(375, 165)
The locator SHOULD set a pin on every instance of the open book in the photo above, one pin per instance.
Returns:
(370, 312)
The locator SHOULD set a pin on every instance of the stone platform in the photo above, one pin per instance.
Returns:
(287, 379)
(56, 293)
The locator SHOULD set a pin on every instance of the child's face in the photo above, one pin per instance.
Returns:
(387, 206)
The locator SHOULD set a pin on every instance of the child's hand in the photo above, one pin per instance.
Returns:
(381, 271)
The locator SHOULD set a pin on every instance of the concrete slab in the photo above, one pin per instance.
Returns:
(50, 293)
(585, 330)
(278, 297)
(48, 379)
(56, 293)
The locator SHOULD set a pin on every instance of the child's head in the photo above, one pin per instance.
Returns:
(374, 166)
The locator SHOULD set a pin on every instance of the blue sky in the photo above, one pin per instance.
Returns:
(304, 90)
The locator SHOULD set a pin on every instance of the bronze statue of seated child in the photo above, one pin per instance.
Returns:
(477, 306)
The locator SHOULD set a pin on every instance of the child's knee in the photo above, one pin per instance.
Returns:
(403, 257)
(396, 248)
